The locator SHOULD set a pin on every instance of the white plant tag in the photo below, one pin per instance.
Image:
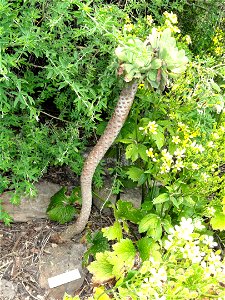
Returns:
(64, 278)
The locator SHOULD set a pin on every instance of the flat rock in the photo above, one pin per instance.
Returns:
(31, 208)
(62, 258)
(104, 196)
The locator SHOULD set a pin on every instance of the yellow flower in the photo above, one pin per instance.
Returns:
(150, 152)
(152, 127)
(175, 139)
(149, 20)
(188, 39)
(171, 16)
(128, 27)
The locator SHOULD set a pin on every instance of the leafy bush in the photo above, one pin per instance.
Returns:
(56, 58)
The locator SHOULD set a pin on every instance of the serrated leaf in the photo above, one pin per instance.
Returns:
(159, 139)
(62, 213)
(58, 199)
(152, 224)
(125, 210)
(101, 268)
(132, 152)
(142, 152)
(147, 222)
(161, 198)
(125, 250)
(113, 232)
(134, 173)
(99, 243)
(218, 222)
(144, 247)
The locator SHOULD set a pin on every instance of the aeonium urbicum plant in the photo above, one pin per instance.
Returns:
(152, 61)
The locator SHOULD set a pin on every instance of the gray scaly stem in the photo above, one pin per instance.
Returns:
(112, 130)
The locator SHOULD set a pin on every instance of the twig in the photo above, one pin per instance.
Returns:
(8, 263)
(29, 292)
(51, 116)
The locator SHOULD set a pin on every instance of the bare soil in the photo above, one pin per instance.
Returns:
(23, 244)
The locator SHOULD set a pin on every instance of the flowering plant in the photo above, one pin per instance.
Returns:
(185, 266)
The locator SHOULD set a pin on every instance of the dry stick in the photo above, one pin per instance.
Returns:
(112, 130)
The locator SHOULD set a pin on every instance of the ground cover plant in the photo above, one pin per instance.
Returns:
(59, 84)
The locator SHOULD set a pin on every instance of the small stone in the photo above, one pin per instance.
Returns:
(7, 290)
(61, 259)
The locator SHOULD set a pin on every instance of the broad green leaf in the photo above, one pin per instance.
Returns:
(99, 243)
(59, 198)
(167, 225)
(152, 224)
(132, 152)
(156, 231)
(144, 247)
(134, 173)
(215, 87)
(161, 198)
(113, 232)
(147, 222)
(101, 268)
(142, 152)
(149, 248)
(159, 139)
(125, 210)
(62, 213)
(218, 222)
(60, 208)
(125, 250)
(188, 201)
(177, 201)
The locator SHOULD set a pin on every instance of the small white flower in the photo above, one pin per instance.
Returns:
(210, 211)
(208, 240)
(179, 153)
(152, 127)
(205, 176)
(211, 144)
(215, 135)
(176, 139)
(198, 224)
(194, 166)
(179, 165)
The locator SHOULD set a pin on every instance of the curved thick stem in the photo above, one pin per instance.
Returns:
(112, 130)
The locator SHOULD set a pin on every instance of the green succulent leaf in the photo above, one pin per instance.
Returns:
(156, 64)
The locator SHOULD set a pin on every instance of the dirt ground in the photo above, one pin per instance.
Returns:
(23, 244)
